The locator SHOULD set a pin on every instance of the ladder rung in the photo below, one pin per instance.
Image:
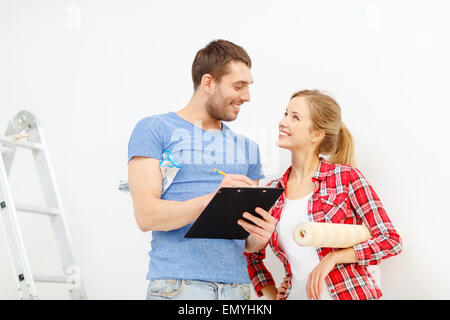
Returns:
(38, 210)
(24, 132)
(18, 143)
(50, 279)
(5, 150)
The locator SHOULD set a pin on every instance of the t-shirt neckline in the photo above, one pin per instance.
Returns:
(224, 127)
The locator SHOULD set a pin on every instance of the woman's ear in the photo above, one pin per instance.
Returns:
(208, 83)
(317, 136)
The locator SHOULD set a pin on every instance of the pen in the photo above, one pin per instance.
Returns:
(224, 174)
(218, 171)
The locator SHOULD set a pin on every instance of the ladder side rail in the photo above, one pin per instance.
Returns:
(59, 224)
(16, 248)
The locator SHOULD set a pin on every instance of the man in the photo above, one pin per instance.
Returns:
(198, 141)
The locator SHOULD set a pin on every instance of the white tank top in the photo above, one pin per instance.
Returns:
(302, 259)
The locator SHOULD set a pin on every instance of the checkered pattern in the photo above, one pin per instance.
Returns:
(341, 195)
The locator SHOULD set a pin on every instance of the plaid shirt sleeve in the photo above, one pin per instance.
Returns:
(385, 241)
(259, 275)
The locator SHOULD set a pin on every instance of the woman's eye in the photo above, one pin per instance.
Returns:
(285, 114)
(295, 117)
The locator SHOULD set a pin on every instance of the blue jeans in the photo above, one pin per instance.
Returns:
(167, 289)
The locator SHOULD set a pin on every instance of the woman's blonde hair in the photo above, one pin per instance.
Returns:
(326, 115)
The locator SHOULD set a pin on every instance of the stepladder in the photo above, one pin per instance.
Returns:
(24, 131)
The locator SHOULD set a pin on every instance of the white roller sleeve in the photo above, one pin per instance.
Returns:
(330, 235)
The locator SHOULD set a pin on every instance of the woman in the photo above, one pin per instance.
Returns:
(320, 190)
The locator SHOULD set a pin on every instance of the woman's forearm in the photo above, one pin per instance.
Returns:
(347, 255)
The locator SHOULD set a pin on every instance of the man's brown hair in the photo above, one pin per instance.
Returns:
(213, 60)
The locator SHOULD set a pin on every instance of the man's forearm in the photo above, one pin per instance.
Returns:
(165, 215)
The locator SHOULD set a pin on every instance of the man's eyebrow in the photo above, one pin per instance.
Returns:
(243, 82)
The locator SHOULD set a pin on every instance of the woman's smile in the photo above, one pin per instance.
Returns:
(283, 133)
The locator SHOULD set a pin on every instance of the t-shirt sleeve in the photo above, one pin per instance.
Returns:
(147, 139)
(255, 170)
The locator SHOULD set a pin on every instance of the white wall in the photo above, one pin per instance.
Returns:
(91, 69)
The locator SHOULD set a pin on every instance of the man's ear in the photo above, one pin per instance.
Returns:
(208, 83)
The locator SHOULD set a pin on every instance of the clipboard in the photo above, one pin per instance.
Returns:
(219, 219)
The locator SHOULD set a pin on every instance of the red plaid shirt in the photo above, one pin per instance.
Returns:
(341, 195)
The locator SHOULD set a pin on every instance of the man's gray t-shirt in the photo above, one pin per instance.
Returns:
(197, 151)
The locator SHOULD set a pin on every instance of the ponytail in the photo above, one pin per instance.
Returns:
(344, 150)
